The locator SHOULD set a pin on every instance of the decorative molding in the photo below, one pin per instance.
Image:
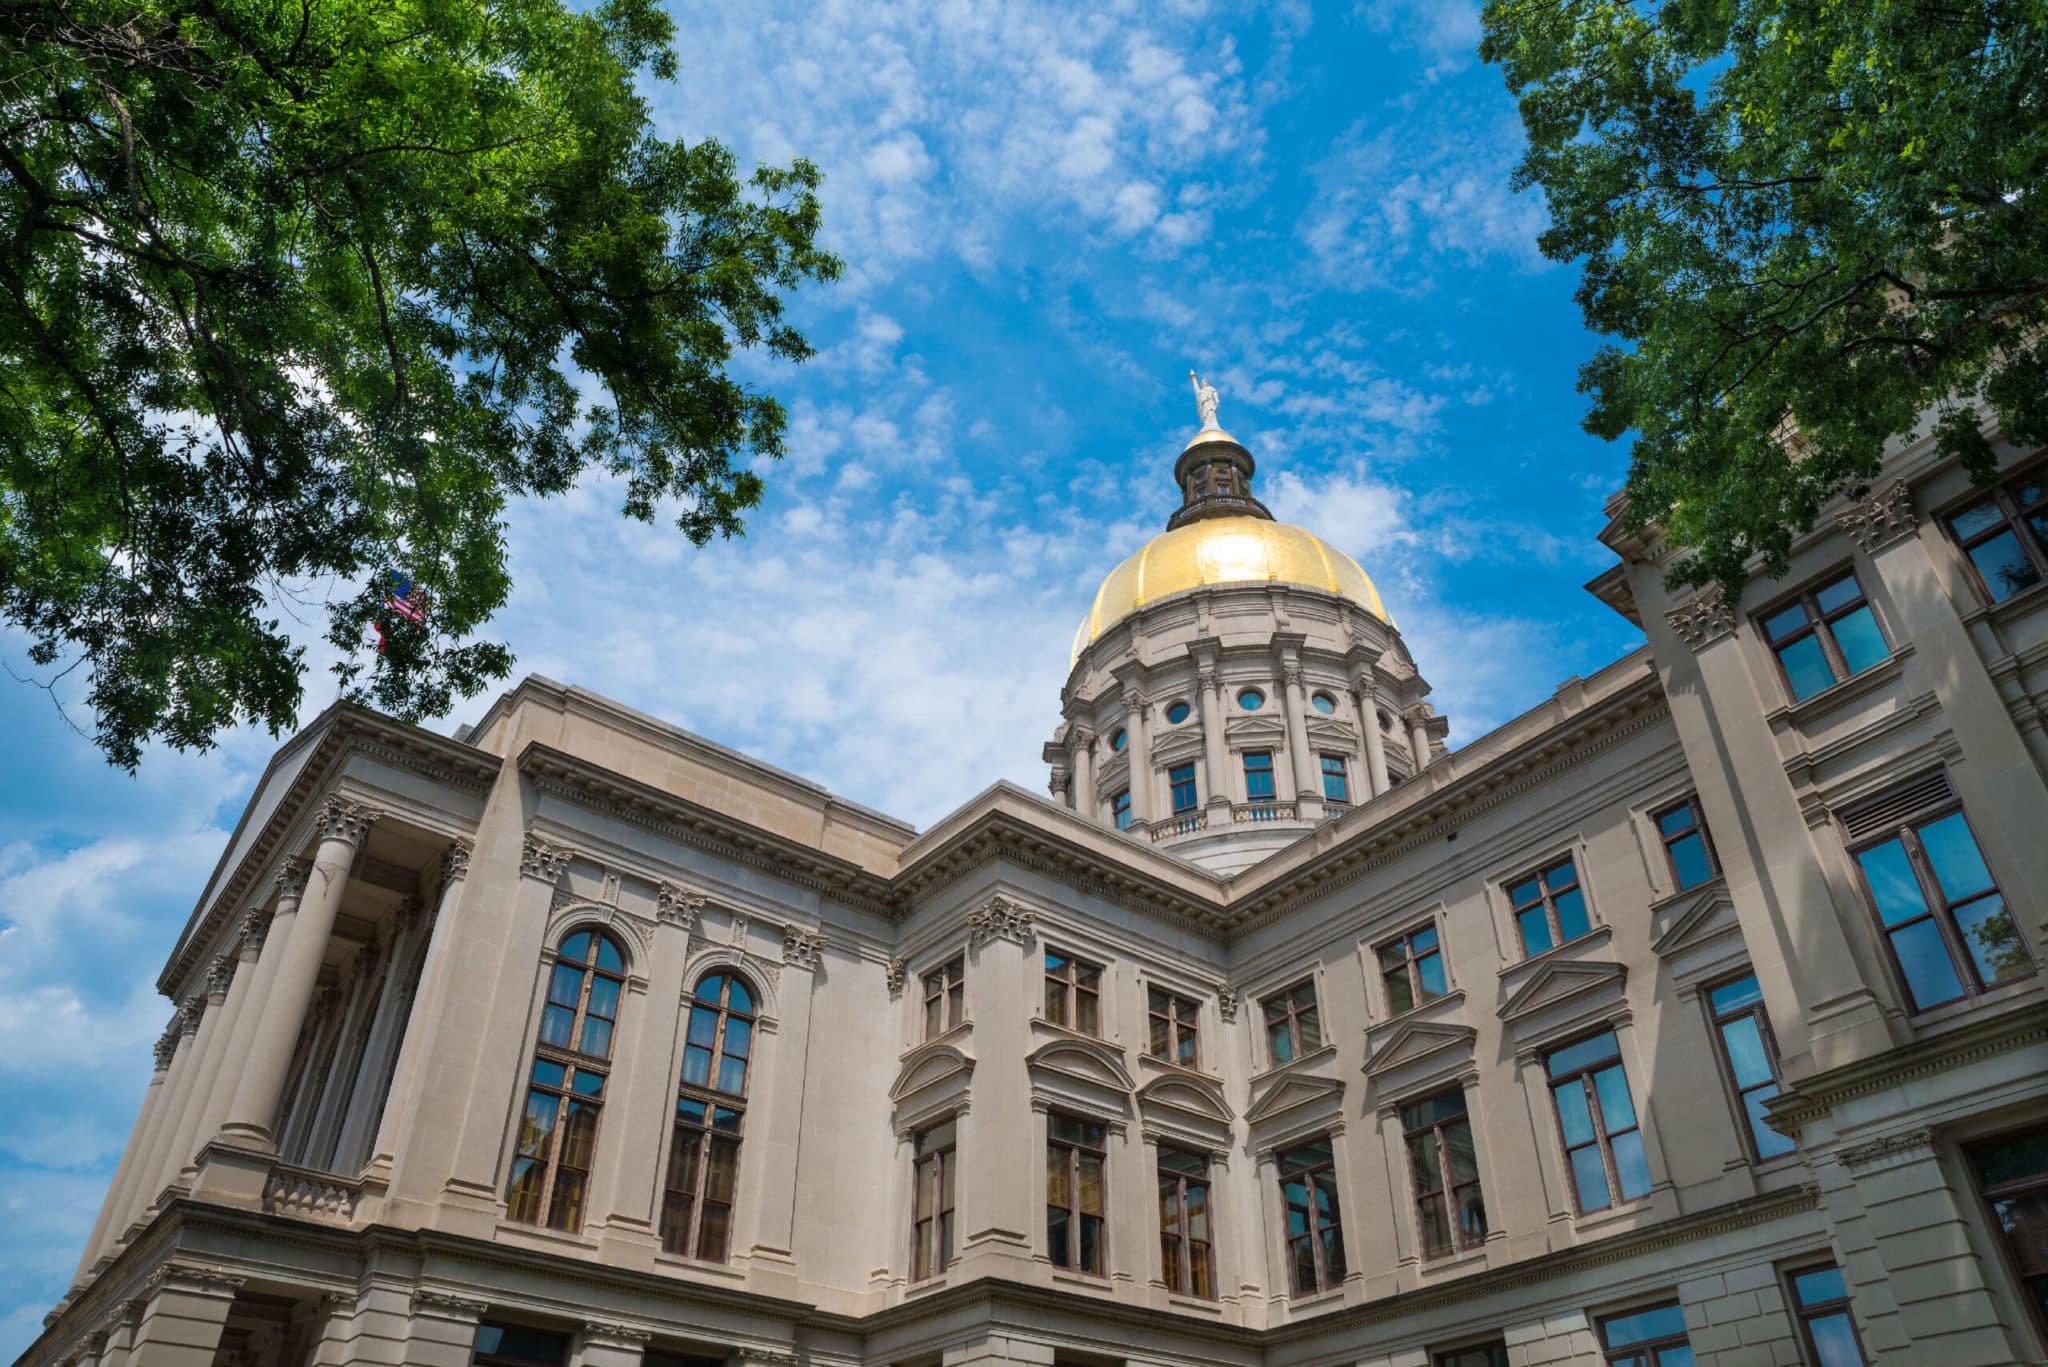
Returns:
(455, 860)
(220, 975)
(611, 1335)
(254, 928)
(1000, 918)
(1226, 1004)
(1908, 1144)
(165, 1046)
(897, 970)
(801, 948)
(674, 906)
(185, 1277)
(765, 1357)
(1880, 517)
(539, 859)
(341, 819)
(2022, 1028)
(447, 1305)
(1291, 675)
(1704, 618)
(190, 1010)
(290, 880)
(1208, 680)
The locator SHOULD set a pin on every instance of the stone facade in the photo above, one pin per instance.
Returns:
(335, 1159)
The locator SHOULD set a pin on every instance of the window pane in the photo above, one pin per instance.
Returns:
(1958, 867)
(1090, 1180)
(1831, 596)
(1056, 1002)
(696, 1066)
(604, 997)
(566, 985)
(1430, 968)
(1834, 1341)
(597, 1037)
(1156, 1040)
(1976, 518)
(1535, 930)
(1892, 883)
(1806, 667)
(1666, 1321)
(566, 1210)
(1923, 958)
(1310, 1155)
(722, 1173)
(1746, 1057)
(1471, 1214)
(1736, 995)
(712, 1234)
(709, 989)
(1281, 1041)
(1573, 1114)
(703, 1026)
(1631, 1165)
(1435, 1226)
(1333, 1253)
(1689, 861)
(1086, 1020)
(1821, 1284)
(1783, 623)
(1422, 1153)
(1615, 1107)
(1464, 1162)
(1400, 993)
(557, 1025)
(739, 1037)
(1311, 1029)
(732, 1075)
(579, 1134)
(522, 1198)
(537, 1124)
(1572, 921)
(1992, 938)
(1769, 1143)
(577, 946)
(1586, 1051)
(1523, 893)
(1590, 1178)
(1861, 643)
(2004, 565)
(2024, 1155)
(1676, 820)
(1091, 1244)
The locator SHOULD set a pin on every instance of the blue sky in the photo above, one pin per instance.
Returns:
(1049, 216)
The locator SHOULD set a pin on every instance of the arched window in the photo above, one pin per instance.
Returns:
(704, 1158)
(565, 1091)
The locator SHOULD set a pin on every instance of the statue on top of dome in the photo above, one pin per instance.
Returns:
(1206, 399)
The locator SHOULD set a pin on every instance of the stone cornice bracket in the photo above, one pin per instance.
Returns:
(340, 819)
(1704, 618)
(1226, 1004)
(801, 948)
(447, 1305)
(999, 918)
(674, 906)
(615, 1335)
(1880, 517)
(897, 970)
(455, 860)
(219, 974)
(182, 1277)
(291, 877)
(538, 859)
(1892, 1147)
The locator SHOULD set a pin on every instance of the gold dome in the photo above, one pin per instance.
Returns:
(1225, 550)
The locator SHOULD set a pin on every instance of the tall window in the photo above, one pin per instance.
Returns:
(1947, 926)
(1074, 1197)
(1412, 968)
(1603, 1144)
(1182, 777)
(944, 997)
(1687, 852)
(1750, 1056)
(1821, 1300)
(1550, 907)
(1315, 1235)
(1120, 809)
(1293, 1027)
(2012, 1174)
(2005, 534)
(1824, 636)
(565, 1091)
(1448, 1207)
(514, 1345)
(1647, 1338)
(1335, 787)
(932, 1211)
(1258, 776)
(1185, 1241)
(1073, 992)
(1480, 1355)
(704, 1156)
(1171, 1027)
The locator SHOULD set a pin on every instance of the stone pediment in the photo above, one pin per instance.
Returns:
(1082, 1060)
(1562, 991)
(1187, 1098)
(1254, 728)
(1295, 1099)
(1698, 933)
(1181, 745)
(930, 1068)
(1332, 736)
(1420, 1042)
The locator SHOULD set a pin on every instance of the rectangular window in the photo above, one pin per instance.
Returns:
(512, 1345)
(1073, 992)
(1603, 1144)
(1687, 851)
(2012, 1175)
(1820, 1298)
(703, 1175)
(1550, 907)
(557, 1136)
(1292, 1026)
(1480, 1355)
(1749, 1056)
(1449, 1210)
(1824, 636)
(1182, 778)
(1412, 968)
(1171, 1031)
(1074, 1197)
(1336, 789)
(1186, 1242)
(1258, 776)
(1647, 1338)
(2005, 535)
(1120, 808)
(931, 1218)
(1945, 923)
(1315, 1236)
(945, 995)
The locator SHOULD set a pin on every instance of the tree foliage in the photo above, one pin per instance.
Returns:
(295, 294)
(1808, 224)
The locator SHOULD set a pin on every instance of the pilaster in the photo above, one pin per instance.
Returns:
(184, 1311)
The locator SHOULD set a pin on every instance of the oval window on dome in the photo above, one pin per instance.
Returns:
(1178, 713)
(1116, 740)
(1251, 700)
(1324, 703)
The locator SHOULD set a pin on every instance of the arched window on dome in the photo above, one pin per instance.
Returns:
(565, 1089)
(711, 1104)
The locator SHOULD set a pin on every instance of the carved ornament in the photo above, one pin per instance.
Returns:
(1208, 680)
(291, 878)
(340, 819)
(166, 1045)
(447, 1305)
(538, 859)
(615, 1335)
(1226, 1004)
(1291, 675)
(189, 1012)
(1704, 618)
(255, 925)
(674, 906)
(455, 860)
(1902, 1145)
(1880, 517)
(1000, 918)
(897, 970)
(219, 974)
(183, 1277)
(801, 948)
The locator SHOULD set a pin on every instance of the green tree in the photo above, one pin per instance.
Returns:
(1809, 224)
(295, 294)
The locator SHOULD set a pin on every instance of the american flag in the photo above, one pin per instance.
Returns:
(400, 600)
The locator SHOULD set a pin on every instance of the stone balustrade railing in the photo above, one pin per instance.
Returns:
(311, 1195)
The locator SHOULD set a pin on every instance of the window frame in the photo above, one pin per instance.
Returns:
(1716, 1019)
(1316, 1223)
(1546, 897)
(576, 1066)
(1176, 1028)
(1447, 1192)
(1073, 1150)
(1411, 967)
(1495, 1355)
(950, 999)
(2023, 1274)
(1649, 1351)
(1178, 1271)
(1245, 758)
(479, 1358)
(1068, 980)
(1292, 1012)
(1809, 1351)
(1175, 782)
(1342, 774)
(1690, 802)
(2012, 518)
(1120, 809)
(1603, 1138)
(932, 1246)
(1821, 624)
(705, 1136)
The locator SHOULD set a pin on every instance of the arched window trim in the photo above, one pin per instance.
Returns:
(570, 1076)
(701, 1170)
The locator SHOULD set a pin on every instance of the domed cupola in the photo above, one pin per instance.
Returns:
(1236, 681)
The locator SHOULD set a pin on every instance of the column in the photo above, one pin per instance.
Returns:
(1138, 744)
(1215, 752)
(121, 1327)
(602, 1344)
(424, 1010)
(1307, 771)
(330, 1099)
(443, 1329)
(779, 1107)
(1134, 1208)
(159, 1166)
(1375, 743)
(226, 991)
(342, 826)
(371, 1092)
(1418, 737)
(184, 1311)
(1081, 739)
(1002, 1202)
(139, 1143)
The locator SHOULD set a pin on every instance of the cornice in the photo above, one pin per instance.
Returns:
(1817, 1095)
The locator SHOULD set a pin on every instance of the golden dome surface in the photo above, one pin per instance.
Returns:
(1224, 550)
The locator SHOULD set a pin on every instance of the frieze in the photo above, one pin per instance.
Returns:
(539, 859)
(340, 819)
(766, 1357)
(185, 1277)
(1892, 1147)
(801, 948)
(1880, 517)
(1000, 918)
(1704, 618)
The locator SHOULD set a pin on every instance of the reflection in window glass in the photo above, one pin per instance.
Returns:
(1948, 928)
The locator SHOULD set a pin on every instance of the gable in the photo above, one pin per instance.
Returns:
(1296, 1099)
(1420, 1042)
(1700, 935)
(1561, 996)
(929, 1070)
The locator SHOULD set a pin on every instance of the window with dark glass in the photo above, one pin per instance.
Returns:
(1412, 968)
(1820, 1298)
(945, 997)
(1292, 1026)
(1336, 788)
(2005, 535)
(1323, 703)
(2012, 1175)
(704, 1153)
(1947, 926)
(931, 1216)
(1117, 739)
(1449, 1210)
(1315, 1236)
(1171, 1027)
(1596, 1118)
(1073, 992)
(565, 1090)
(1550, 907)
(1687, 851)
(1074, 1196)
(1178, 712)
(1258, 776)
(513, 1345)
(1479, 1355)
(1251, 700)
(1182, 779)
(1647, 1338)
(1120, 808)
(1749, 1058)
(1825, 635)
(1185, 1240)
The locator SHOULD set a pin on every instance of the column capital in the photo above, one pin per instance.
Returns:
(1226, 1004)
(189, 1012)
(1880, 517)
(606, 1334)
(801, 948)
(539, 859)
(1208, 678)
(1704, 618)
(1080, 734)
(897, 970)
(674, 906)
(291, 878)
(166, 1045)
(455, 860)
(1290, 674)
(446, 1305)
(219, 974)
(1000, 918)
(341, 819)
(249, 935)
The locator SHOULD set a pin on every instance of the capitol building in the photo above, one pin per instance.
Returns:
(1694, 1016)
